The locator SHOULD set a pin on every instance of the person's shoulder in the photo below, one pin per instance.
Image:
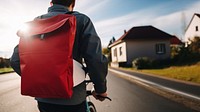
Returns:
(43, 16)
(76, 13)
(81, 15)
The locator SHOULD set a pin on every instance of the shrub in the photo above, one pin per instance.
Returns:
(142, 63)
(194, 45)
(4, 63)
(186, 55)
(147, 63)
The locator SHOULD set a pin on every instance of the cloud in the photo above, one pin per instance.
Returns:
(90, 6)
(176, 22)
(116, 26)
(96, 7)
(171, 23)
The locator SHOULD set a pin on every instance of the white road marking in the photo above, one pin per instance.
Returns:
(155, 84)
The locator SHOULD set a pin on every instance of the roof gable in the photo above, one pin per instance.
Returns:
(198, 15)
(146, 32)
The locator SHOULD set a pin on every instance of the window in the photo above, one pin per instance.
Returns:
(120, 51)
(197, 29)
(115, 52)
(160, 48)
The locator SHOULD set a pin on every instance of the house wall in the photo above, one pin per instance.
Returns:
(118, 53)
(146, 48)
(191, 31)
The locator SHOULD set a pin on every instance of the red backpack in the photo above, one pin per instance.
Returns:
(46, 62)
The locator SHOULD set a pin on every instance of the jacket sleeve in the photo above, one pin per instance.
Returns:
(15, 61)
(96, 62)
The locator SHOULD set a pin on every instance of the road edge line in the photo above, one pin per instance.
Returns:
(161, 90)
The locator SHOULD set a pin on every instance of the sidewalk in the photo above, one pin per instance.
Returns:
(179, 91)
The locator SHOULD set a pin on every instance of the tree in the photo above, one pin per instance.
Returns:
(111, 41)
(4, 63)
(189, 54)
(1, 62)
(194, 45)
(107, 51)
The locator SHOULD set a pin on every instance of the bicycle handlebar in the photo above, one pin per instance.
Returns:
(90, 93)
(98, 96)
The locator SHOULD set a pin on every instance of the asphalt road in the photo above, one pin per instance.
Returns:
(126, 97)
(10, 98)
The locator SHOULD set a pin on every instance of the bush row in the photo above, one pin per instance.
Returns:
(4, 63)
(147, 63)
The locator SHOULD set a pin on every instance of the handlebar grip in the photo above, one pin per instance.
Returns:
(99, 96)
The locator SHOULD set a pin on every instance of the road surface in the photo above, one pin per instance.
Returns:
(182, 86)
(126, 97)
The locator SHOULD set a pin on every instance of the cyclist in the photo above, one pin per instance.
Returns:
(87, 45)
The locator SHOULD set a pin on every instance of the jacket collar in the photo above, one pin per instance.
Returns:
(58, 8)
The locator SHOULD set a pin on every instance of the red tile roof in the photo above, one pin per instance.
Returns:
(175, 41)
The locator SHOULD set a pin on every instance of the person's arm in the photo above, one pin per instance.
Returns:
(15, 61)
(96, 62)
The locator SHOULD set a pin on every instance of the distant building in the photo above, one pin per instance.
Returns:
(193, 29)
(175, 41)
(142, 41)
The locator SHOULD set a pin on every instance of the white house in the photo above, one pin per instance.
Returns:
(142, 41)
(193, 28)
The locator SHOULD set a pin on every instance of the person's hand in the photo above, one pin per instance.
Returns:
(100, 97)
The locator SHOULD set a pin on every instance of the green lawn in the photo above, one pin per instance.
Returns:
(4, 70)
(186, 73)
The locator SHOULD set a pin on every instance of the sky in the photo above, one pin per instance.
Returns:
(110, 17)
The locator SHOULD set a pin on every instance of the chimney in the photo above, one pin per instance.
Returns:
(124, 31)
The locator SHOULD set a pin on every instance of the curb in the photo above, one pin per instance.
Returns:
(163, 77)
(189, 102)
(6, 72)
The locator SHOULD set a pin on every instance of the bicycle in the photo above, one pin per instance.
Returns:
(90, 106)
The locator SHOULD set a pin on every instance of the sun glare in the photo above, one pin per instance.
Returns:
(24, 28)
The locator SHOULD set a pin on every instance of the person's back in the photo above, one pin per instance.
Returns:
(87, 46)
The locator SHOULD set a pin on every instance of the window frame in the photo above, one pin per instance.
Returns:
(160, 48)
(115, 52)
(120, 51)
(196, 28)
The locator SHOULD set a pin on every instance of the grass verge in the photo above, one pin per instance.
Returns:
(5, 70)
(187, 73)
